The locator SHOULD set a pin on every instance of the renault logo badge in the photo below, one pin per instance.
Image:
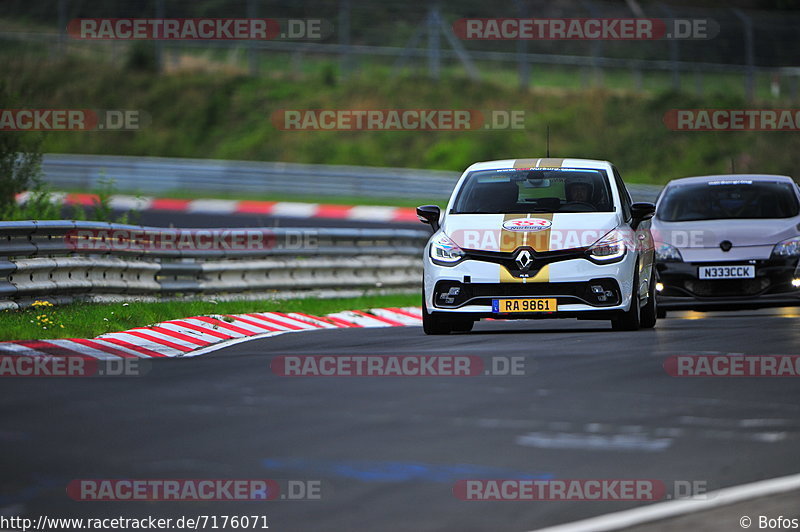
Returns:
(524, 259)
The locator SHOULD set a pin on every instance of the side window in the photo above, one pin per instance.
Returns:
(623, 194)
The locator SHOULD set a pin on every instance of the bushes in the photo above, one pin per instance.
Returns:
(20, 158)
(227, 116)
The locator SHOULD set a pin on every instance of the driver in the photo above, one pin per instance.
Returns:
(579, 192)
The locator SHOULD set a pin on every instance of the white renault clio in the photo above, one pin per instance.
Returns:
(539, 238)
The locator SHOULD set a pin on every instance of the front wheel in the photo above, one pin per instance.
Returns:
(630, 320)
(463, 325)
(432, 324)
(650, 310)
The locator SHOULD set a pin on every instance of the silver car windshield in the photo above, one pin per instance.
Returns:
(728, 201)
(534, 190)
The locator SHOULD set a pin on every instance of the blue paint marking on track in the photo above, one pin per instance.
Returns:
(38, 485)
(369, 471)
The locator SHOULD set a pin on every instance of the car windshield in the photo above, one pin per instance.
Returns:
(724, 200)
(531, 190)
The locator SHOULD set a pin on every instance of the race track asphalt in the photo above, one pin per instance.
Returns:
(592, 403)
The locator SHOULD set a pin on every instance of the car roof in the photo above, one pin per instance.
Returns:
(730, 177)
(540, 162)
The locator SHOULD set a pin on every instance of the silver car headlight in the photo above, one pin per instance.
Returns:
(444, 251)
(610, 248)
(667, 253)
(787, 248)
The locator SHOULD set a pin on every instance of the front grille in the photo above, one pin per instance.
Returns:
(773, 276)
(454, 294)
(727, 287)
(539, 259)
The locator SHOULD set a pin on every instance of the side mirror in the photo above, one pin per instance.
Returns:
(429, 214)
(642, 211)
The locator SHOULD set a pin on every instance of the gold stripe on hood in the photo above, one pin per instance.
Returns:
(538, 240)
(545, 162)
(526, 163)
(510, 241)
(550, 162)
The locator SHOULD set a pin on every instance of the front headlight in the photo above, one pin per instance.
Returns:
(610, 248)
(667, 253)
(788, 248)
(444, 251)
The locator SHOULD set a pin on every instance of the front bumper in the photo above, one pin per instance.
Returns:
(594, 299)
(771, 287)
(596, 293)
(477, 282)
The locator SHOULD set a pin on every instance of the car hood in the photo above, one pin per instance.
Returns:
(710, 233)
(541, 232)
(702, 240)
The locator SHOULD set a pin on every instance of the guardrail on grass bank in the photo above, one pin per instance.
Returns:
(162, 174)
(62, 261)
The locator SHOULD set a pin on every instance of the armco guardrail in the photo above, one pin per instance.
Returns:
(63, 260)
(159, 174)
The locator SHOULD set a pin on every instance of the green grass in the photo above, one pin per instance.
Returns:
(303, 66)
(87, 320)
(227, 116)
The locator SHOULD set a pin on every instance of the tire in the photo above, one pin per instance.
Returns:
(630, 320)
(649, 314)
(464, 325)
(432, 324)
